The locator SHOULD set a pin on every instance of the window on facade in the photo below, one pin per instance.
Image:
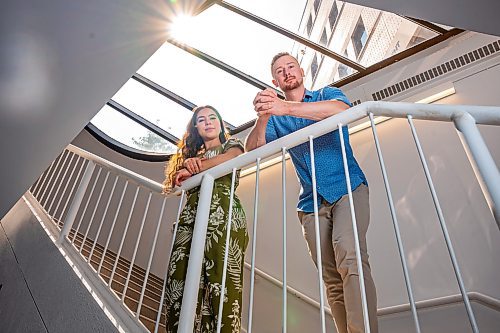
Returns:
(344, 70)
(332, 16)
(359, 37)
(324, 38)
(420, 35)
(314, 66)
(309, 25)
(316, 5)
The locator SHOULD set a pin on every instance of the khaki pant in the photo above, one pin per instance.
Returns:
(338, 256)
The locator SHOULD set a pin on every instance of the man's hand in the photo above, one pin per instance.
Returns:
(181, 176)
(193, 165)
(267, 102)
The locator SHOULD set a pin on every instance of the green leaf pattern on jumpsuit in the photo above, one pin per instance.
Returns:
(211, 278)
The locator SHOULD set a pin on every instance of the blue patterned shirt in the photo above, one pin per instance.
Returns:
(330, 176)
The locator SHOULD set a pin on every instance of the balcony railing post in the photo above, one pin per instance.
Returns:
(192, 284)
(395, 223)
(482, 163)
(361, 275)
(444, 228)
(317, 237)
(283, 189)
(179, 210)
(254, 244)
(77, 201)
(226, 253)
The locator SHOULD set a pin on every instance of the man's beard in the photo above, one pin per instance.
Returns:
(293, 84)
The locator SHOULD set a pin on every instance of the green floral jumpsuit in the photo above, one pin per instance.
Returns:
(213, 262)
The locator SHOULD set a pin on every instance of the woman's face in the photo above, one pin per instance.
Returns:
(208, 124)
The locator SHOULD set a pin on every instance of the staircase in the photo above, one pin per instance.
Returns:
(154, 286)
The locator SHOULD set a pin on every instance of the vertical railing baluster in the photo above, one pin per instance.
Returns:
(115, 265)
(102, 220)
(70, 194)
(53, 181)
(196, 254)
(86, 204)
(162, 299)
(356, 236)
(93, 212)
(317, 238)
(112, 226)
(444, 228)
(254, 244)
(150, 260)
(395, 224)
(283, 188)
(60, 183)
(48, 177)
(132, 262)
(78, 158)
(482, 162)
(226, 253)
(76, 202)
(41, 182)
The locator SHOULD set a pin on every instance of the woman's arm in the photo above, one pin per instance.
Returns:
(221, 158)
(196, 165)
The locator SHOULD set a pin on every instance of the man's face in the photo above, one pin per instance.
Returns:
(287, 74)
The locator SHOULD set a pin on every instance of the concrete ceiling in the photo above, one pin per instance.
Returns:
(60, 62)
(477, 15)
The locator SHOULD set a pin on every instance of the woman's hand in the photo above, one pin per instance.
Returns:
(181, 176)
(193, 165)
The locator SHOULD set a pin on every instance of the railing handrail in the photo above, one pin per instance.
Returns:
(135, 177)
(487, 115)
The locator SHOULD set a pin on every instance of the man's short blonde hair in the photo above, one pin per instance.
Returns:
(279, 55)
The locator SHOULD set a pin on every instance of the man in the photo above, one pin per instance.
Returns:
(277, 118)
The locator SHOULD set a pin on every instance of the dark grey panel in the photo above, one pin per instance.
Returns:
(64, 303)
(18, 312)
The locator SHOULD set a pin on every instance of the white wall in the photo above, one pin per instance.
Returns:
(471, 225)
(473, 231)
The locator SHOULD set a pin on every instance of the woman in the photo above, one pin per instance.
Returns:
(204, 145)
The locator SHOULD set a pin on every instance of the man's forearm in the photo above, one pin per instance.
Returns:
(257, 136)
(316, 110)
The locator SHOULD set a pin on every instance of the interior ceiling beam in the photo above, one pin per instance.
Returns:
(143, 122)
(428, 25)
(170, 95)
(397, 57)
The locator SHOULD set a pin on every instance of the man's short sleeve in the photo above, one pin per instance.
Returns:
(332, 93)
(271, 133)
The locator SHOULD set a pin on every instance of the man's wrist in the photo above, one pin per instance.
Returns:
(291, 108)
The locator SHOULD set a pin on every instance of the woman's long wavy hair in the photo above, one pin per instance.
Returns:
(191, 145)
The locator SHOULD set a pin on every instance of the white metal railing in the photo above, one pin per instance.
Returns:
(464, 117)
(49, 184)
(77, 203)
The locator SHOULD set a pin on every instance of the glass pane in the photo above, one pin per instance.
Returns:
(365, 35)
(237, 41)
(288, 14)
(201, 83)
(130, 133)
(154, 107)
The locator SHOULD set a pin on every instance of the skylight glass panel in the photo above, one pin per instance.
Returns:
(385, 34)
(201, 83)
(130, 133)
(158, 109)
(237, 41)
